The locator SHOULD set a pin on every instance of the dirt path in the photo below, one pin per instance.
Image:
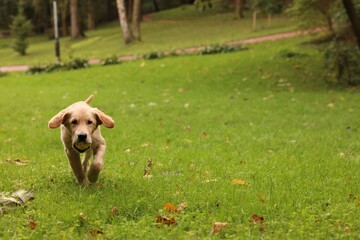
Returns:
(272, 37)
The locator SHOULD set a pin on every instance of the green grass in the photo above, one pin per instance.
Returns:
(269, 120)
(167, 30)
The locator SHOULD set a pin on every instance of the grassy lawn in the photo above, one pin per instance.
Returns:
(167, 30)
(205, 121)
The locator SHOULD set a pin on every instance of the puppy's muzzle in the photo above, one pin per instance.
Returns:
(82, 143)
(82, 137)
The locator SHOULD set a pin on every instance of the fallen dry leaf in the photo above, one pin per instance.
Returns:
(238, 182)
(165, 220)
(256, 219)
(18, 198)
(262, 198)
(17, 161)
(182, 206)
(170, 208)
(219, 226)
(114, 211)
(187, 128)
(32, 224)
(96, 231)
(358, 203)
(147, 173)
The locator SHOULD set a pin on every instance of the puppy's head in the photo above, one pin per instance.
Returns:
(80, 121)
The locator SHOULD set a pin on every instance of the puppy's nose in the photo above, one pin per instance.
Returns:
(82, 136)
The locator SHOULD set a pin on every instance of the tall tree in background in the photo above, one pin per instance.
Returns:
(310, 13)
(136, 19)
(239, 8)
(20, 29)
(64, 11)
(123, 21)
(90, 15)
(74, 14)
(354, 19)
(134, 9)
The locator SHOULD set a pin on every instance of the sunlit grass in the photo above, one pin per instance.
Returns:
(204, 121)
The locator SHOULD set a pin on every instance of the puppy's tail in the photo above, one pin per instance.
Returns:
(89, 99)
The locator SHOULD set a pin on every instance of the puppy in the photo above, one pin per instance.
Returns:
(80, 133)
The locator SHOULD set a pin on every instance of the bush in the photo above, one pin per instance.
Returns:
(110, 61)
(285, 53)
(20, 29)
(343, 61)
(153, 55)
(220, 48)
(76, 63)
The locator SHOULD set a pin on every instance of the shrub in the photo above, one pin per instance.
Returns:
(285, 53)
(343, 61)
(110, 61)
(76, 63)
(220, 48)
(20, 29)
(153, 55)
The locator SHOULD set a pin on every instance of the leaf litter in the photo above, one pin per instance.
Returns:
(17, 198)
(147, 169)
(17, 161)
(168, 218)
(218, 227)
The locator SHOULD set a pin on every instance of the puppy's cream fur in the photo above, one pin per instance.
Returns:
(80, 124)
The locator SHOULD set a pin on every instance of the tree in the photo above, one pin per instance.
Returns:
(255, 6)
(136, 19)
(90, 15)
(134, 9)
(74, 14)
(354, 19)
(20, 29)
(314, 12)
(64, 12)
(239, 8)
(123, 21)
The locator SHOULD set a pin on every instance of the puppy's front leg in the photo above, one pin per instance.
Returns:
(74, 160)
(85, 161)
(97, 164)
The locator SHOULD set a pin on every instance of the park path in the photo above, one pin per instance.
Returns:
(272, 37)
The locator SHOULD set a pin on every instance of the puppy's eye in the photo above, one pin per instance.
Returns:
(89, 122)
(74, 122)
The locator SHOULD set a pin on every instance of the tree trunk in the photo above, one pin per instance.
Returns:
(129, 10)
(354, 19)
(123, 21)
(136, 20)
(254, 19)
(75, 29)
(269, 19)
(63, 6)
(156, 6)
(239, 8)
(90, 14)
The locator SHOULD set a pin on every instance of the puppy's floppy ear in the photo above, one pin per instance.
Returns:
(58, 119)
(102, 118)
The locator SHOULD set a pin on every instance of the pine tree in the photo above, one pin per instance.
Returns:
(20, 30)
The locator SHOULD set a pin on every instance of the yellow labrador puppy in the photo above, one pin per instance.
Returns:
(80, 133)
